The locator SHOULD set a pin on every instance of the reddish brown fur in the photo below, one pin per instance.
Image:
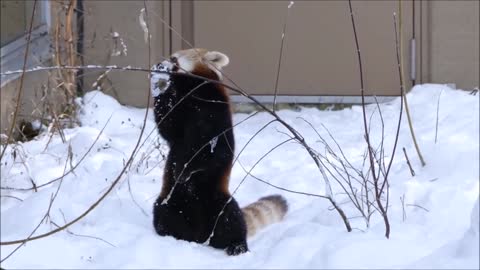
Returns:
(203, 205)
(225, 181)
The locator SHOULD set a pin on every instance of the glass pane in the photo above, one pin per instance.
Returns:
(15, 19)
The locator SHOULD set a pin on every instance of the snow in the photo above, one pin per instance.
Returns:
(213, 144)
(159, 82)
(143, 24)
(437, 226)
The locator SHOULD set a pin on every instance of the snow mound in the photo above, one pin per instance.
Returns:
(434, 215)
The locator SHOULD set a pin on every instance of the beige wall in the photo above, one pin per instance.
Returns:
(319, 55)
(102, 18)
(453, 39)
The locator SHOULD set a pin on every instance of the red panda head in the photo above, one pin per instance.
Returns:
(199, 62)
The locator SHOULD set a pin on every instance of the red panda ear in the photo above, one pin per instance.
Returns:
(217, 58)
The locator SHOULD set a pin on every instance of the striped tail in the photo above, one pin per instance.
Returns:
(265, 211)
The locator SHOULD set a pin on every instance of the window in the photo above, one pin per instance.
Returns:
(15, 22)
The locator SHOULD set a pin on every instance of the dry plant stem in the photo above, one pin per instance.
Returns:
(12, 197)
(58, 51)
(149, 64)
(344, 173)
(88, 67)
(402, 92)
(362, 90)
(149, 36)
(402, 95)
(418, 206)
(412, 172)
(280, 188)
(34, 185)
(71, 48)
(407, 110)
(22, 78)
(436, 122)
(381, 159)
(348, 188)
(284, 33)
(148, 41)
(133, 198)
(83, 235)
(380, 206)
(64, 52)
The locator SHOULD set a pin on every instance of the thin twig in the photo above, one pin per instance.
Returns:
(412, 172)
(404, 214)
(418, 206)
(284, 33)
(402, 92)
(436, 122)
(10, 196)
(82, 235)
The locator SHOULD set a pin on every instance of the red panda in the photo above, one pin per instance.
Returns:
(195, 119)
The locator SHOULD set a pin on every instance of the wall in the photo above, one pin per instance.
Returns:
(453, 43)
(105, 18)
(30, 105)
(319, 55)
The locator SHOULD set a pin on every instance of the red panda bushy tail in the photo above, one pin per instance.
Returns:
(265, 211)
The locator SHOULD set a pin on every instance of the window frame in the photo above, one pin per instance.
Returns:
(12, 54)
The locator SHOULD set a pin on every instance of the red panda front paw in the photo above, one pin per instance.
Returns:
(236, 249)
(159, 81)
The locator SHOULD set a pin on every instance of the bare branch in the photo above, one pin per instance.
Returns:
(418, 206)
(436, 122)
(284, 33)
(412, 172)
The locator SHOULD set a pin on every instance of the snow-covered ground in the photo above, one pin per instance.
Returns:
(436, 226)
